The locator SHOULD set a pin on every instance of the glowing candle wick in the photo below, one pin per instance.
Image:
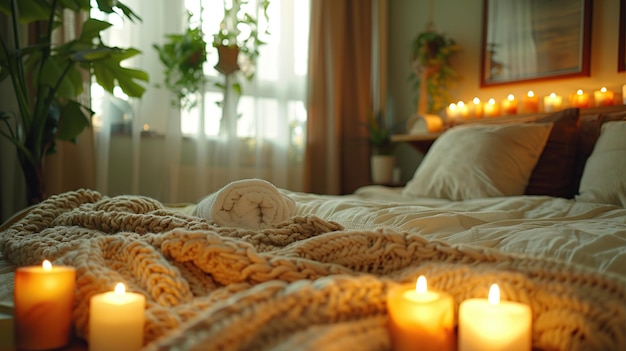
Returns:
(120, 289)
(46, 265)
(494, 294)
(421, 287)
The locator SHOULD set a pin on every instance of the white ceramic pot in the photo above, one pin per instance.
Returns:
(381, 167)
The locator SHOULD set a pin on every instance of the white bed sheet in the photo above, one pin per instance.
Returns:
(593, 235)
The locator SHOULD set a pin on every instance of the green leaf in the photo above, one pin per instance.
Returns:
(29, 10)
(74, 119)
(91, 29)
(108, 70)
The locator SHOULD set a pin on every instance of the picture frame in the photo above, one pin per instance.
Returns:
(621, 46)
(531, 40)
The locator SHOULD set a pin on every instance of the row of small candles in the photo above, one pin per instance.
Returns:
(43, 300)
(529, 104)
(417, 316)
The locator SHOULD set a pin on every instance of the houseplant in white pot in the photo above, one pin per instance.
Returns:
(382, 160)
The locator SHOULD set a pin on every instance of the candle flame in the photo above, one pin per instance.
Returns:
(579, 92)
(511, 97)
(46, 265)
(452, 106)
(460, 104)
(421, 286)
(491, 101)
(476, 101)
(552, 95)
(494, 294)
(603, 89)
(531, 93)
(120, 289)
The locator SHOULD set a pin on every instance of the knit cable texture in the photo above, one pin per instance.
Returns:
(304, 284)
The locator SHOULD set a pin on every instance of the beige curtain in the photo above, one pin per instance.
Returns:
(337, 156)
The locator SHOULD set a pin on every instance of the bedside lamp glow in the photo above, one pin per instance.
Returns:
(494, 325)
(418, 316)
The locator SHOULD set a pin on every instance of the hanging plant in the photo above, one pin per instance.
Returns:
(183, 56)
(432, 74)
(238, 42)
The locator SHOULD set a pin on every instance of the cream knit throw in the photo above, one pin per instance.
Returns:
(306, 284)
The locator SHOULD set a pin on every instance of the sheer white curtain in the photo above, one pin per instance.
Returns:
(146, 146)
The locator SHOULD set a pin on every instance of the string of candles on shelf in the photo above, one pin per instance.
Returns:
(530, 103)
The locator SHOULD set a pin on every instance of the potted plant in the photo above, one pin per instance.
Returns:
(382, 160)
(238, 39)
(432, 74)
(47, 78)
(183, 56)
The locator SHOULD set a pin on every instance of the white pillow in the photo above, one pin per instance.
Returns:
(604, 177)
(478, 161)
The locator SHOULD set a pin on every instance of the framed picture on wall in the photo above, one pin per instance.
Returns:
(621, 53)
(526, 40)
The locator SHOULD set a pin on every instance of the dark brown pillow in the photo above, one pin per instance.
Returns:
(554, 173)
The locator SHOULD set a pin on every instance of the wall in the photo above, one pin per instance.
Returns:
(462, 21)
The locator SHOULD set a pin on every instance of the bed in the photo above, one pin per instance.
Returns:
(546, 221)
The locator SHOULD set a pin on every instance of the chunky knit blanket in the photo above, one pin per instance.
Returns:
(305, 284)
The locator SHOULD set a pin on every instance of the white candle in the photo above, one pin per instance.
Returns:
(552, 102)
(452, 112)
(490, 109)
(43, 297)
(419, 318)
(491, 324)
(116, 320)
(476, 108)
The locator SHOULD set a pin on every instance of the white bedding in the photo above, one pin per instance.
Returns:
(589, 234)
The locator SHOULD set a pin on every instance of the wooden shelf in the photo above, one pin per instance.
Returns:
(421, 142)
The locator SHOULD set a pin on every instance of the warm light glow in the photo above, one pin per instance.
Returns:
(603, 89)
(552, 95)
(530, 93)
(491, 101)
(579, 92)
(120, 289)
(46, 265)
(476, 101)
(494, 294)
(421, 287)
(452, 106)
(146, 127)
(460, 104)
(511, 97)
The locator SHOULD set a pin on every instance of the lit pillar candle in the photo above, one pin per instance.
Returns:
(462, 110)
(419, 318)
(509, 105)
(552, 102)
(476, 108)
(452, 112)
(491, 109)
(491, 324)
(580, 99)
(530, 103)
(603, 97)
(43, 297)
(116, 320)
